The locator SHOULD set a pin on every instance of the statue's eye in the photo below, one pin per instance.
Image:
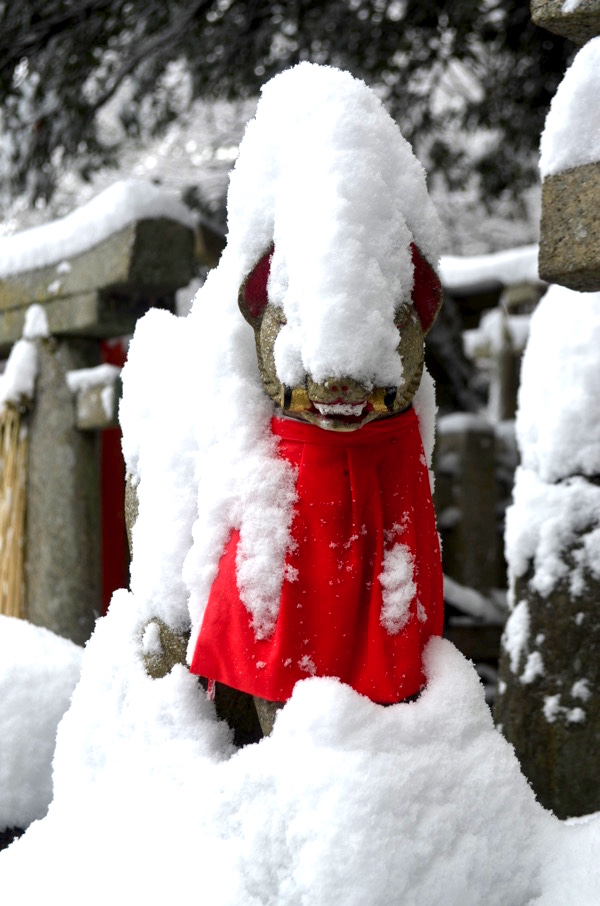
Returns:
(253, 296)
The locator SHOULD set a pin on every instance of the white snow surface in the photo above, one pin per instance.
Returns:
(553, 525)
(497, 331)
(516, 634)
(110, 211)
(17, 381)
(38, 672)
(36, 323)
(571, 136)
(85, 378)
(425, 408)
(558, 418)
(399, 588)
(547, 521)
(479, 272)
(347, 802)
(324, 173)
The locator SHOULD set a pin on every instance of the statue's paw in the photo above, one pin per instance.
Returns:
(163, 647)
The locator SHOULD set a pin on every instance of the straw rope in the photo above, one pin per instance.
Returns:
(13, 472)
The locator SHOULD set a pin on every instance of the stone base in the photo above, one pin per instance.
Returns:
(551, 718)
(570, 229)
(579, 25)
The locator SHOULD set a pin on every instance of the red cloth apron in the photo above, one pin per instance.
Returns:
(359, 494)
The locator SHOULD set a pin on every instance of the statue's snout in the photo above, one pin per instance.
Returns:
(337, 390)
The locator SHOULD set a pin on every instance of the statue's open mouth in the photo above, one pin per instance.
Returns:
(340, 413)
(341, 408)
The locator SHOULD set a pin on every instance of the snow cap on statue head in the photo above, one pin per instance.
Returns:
(325, 177)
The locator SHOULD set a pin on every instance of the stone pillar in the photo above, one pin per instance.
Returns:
(548, 703)
(98, 293)
(63, 499)
(466, 499)
(570, 228)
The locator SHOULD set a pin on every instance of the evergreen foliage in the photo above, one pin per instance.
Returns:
(441, 68)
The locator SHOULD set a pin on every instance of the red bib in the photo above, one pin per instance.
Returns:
(361, 495)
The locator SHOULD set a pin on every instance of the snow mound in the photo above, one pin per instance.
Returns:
(347, 802)
(38, 672)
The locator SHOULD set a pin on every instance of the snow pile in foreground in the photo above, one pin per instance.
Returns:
(347, 802)
(85, 227)
(38, 672)
(571, 136)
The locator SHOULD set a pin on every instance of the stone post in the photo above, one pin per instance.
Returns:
(96, 294)
(548, 704)
(63, 578)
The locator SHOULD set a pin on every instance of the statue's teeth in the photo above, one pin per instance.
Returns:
(340, 408)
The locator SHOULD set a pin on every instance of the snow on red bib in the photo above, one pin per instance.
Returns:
(362, 591)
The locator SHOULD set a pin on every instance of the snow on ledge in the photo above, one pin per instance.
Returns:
(83, 379)
(482, 272)
(82, 229)
(571, 136)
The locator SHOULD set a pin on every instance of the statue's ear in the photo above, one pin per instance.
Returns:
(253, 297)
(427, 290)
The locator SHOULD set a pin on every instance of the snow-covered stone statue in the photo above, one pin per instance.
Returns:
(315, 550)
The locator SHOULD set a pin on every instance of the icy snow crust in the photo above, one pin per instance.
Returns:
(571, 136)
(38, 672)
(112, 210)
